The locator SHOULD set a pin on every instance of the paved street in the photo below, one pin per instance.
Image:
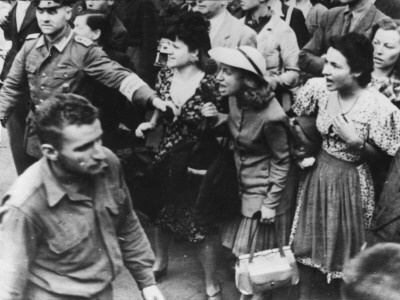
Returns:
(185, 277)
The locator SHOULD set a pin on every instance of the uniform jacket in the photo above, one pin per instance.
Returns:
(278, 44)
(67, 68)
(262, 156)
(28, 26)
(68, 243)
(332, 22)
(234, 33)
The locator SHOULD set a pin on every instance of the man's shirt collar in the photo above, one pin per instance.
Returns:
(60, 44)
(54, 190)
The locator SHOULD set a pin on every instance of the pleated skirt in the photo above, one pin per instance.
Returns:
(238, 235)
(335, 205)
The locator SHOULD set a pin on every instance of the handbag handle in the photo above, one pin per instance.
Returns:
(252, 246)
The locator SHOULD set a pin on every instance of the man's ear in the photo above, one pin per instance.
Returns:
(96, 35)
(68, 11)
(50, 152)
(110, 2)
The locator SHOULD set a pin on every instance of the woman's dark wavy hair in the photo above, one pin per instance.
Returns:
(257, 93)
(98, 21)
(359, 53)
(192, 29)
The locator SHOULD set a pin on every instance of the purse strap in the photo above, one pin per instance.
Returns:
(252, 243)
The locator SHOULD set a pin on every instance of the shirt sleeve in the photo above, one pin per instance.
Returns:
(385, 128)
(19, 242)
(289, 54)
(99, 66)
(277, 138)
(15, 86)
(310, 60)
(309, 96)
(135, 247)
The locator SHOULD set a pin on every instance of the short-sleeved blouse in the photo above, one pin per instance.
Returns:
(378, 121)
(185, 127)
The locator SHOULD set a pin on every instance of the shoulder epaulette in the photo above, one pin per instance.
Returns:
(32, 36)
(84, 41)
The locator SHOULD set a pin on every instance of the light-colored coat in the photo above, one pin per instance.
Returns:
(278, 44)
(233, 34)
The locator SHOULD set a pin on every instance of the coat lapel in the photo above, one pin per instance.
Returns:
(29, 17)
(367, 21)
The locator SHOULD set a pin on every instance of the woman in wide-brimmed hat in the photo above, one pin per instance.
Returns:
(259, 130)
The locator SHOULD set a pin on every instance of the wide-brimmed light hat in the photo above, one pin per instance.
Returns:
(244, 57)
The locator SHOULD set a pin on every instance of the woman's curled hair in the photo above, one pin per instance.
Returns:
(359, 53)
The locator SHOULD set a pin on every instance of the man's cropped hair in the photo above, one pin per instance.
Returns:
(374, 274)
(53, 115)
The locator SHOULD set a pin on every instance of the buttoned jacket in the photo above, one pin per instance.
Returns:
(68, 67)
(261, 152)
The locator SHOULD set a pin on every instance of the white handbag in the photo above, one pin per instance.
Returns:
(256, 273)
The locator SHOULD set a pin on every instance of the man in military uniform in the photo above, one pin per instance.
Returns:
(57, 61)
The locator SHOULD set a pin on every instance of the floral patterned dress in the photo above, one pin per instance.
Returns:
(178, 217)
(336, 197)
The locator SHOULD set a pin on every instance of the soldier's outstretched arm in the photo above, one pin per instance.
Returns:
(110, 73)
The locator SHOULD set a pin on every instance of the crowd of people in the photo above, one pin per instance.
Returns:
(187, 113)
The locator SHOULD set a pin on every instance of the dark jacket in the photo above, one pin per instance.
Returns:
(386, 220)
(139, 18)
(298, 24)
(17, 38)
(310, 60)
(389, 7)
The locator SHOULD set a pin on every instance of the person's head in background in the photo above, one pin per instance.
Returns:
(99, 5)
(211, 8)
(374, 274)
(189, 41)
(386, 44)
(93, 25)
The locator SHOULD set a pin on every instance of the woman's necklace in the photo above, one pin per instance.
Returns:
(352, 106)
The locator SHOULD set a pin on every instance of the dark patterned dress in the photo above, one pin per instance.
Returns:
(178, 216)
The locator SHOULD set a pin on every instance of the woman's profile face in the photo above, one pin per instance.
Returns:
(386, 48)
(179, 55)
(230, 80)
(82, 29)
(249, 4)
(337, 71)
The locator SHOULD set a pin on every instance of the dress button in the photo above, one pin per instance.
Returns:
(44, 75)
(41, 100)
(65, 75)
(42, 87)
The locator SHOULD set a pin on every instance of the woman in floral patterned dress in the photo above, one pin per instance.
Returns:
(188, 87)
(336, 197)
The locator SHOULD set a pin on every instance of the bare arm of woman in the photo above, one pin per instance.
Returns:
(145, 127)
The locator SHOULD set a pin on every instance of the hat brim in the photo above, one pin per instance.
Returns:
(233, 58)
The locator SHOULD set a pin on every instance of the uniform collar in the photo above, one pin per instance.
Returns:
(55, 192)
(60, 44)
